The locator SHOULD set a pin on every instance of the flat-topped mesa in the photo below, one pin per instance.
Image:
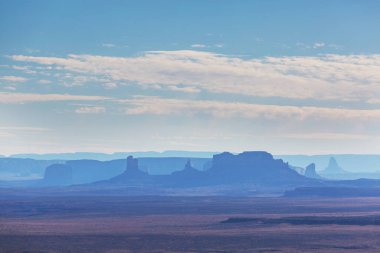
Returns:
(253, 166)
(244, 160)
(58, 174)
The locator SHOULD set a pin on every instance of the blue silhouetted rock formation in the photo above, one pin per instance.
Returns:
(189, 176)
(333, 170)
(58, 174)
(311, 172)
(256, 167)
(132, 174)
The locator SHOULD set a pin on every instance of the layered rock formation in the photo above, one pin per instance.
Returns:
(253, 168)
(250, 168)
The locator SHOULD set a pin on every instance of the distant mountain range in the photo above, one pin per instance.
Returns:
(90, 170)
(86, 171)
(357, 163)
(354, 163)
(256, 168)
(254, 172)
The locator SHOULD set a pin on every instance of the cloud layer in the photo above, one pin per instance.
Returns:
(162, 106)
(13, 79)
(339, 77)
(19, 98)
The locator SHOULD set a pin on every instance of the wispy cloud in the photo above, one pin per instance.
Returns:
(329, 136)
(319, 45)
(13, 79)
(162, 106)
(90, 110)
(109, 45)
(339, 77)
(44, 81)
(18, 98)
(12, 131)
(198, 46)
(23, 128)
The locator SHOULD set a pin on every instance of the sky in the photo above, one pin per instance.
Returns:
(288, 77)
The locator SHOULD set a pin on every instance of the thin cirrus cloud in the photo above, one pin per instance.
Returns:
(20, 98)
(162, 106)
(326, 77)
(90, 110)
(13, 79)
(198, 46)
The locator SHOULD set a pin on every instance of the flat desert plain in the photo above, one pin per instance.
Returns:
(188, 224)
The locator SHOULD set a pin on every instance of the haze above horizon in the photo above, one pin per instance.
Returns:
(288, 77)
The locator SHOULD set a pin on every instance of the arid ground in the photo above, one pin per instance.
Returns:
(187, 224)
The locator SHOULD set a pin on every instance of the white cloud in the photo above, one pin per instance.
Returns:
(20, 67)
(44, 81)
(162, 106)
(330, 136)
(318, 45)
(13, 78)
(110, 85)
(23, 128)
(10, 88)
(198, 46)
(12, 131)
(340, 77)
(187, 89)
(109, 45)
(90, 110)
(19, 98)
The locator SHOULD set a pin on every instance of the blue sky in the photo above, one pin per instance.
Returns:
(283, 76)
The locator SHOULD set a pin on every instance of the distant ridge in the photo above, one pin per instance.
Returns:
(356, 163)
(113, 156)
(251, 168)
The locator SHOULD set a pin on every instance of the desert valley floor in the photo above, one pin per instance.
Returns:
(188, 224)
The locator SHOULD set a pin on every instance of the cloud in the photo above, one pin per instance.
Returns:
(109, 45)
(23, 128)
(10, 88)
(187, 89)
(163, 106)
(330, 136)
(19, 98)
(110, 85)
(319, 45)
(338, 77)
(44, 81)
(198, 46)
(90, 110)
(12, 131)
(13, 78)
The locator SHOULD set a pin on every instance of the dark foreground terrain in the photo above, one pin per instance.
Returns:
(188, 224)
